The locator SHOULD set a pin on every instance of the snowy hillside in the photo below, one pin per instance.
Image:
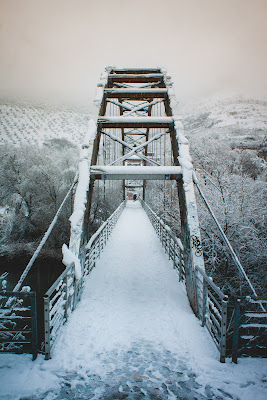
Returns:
(242, 123)
(29, 125)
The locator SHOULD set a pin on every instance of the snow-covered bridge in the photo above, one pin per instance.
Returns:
(125, 319)
(133, 335)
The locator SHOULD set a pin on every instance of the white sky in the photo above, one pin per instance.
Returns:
(59, 47)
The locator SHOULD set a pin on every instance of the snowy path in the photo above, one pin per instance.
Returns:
(133, 335)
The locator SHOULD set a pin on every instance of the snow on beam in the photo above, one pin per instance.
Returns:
(141, 71)
(136, 90)
(136, 122)
(100, 87)
(135, 172)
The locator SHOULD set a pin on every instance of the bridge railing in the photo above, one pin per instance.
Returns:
(212, 303)
(61, 299)
(18, 322)
(58, 304)
(212, 306)
(99, 240)
(248, 328)
(171, 244)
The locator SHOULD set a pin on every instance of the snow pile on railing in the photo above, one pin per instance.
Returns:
(77, 217)
(170, 89)
(69, 258)
(184, 156)
(100, 86)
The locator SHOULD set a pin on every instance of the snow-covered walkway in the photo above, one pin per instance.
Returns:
(132, 336)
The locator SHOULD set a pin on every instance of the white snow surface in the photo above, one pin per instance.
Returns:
(69, 258)
(132, 334)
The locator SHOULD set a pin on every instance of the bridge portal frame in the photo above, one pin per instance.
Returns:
(147, 87)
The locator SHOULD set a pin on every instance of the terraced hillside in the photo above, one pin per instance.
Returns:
(240, 122)
(28, 125)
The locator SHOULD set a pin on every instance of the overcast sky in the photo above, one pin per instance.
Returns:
(60, 47)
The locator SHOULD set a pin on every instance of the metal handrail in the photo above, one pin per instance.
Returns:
(212, 310)
(45, 238)
(59, 279)
(212, 284)
(171, 244)
(61, 298)
(59, 301)
(213, 305)
(99, 240)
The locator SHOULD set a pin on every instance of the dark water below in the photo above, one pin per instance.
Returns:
(42, 275)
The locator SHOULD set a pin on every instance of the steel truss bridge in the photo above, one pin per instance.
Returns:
(137, 149)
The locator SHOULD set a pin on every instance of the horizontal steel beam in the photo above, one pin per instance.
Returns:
(141, 71)
(135, 93)
(135, 172)
(133, 186)
(131, 78)
(136, 122)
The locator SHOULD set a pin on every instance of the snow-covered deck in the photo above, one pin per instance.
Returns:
(133, 335)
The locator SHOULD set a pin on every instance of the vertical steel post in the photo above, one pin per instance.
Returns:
(65, 284)
(236, 331)
(223, 331)
(180, 264)
(204, 303)
(34, 325)
(47, 327)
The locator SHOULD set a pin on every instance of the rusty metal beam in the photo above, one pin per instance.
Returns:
(135, 93)
(130, 78)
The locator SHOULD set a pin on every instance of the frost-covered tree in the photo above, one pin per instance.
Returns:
(237, 198)
(33, 183)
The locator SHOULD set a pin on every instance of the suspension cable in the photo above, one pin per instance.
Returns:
(226, 241)
(44, 239)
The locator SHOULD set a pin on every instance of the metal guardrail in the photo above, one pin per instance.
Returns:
(61, 299)
(58, 303)
(212, 306)
(249, 336)
(171, 244)
(18, 323)
(212, 303)
(99, 240)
